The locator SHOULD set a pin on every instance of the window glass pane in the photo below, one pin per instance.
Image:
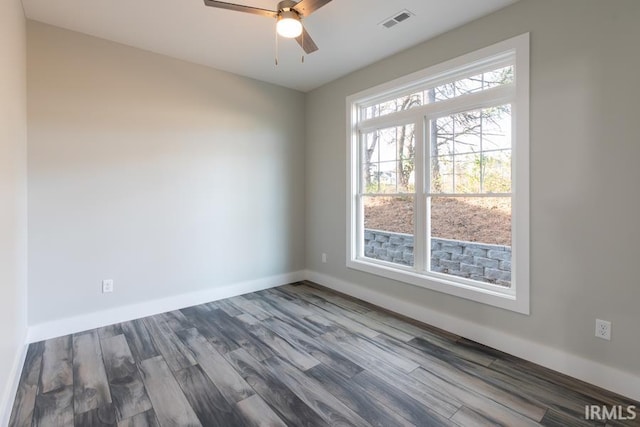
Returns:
(388, 160)
(449, 90)
(467, 173)
(442, 174)
(496, 171)
(388, 228)
(471, 238)
(471, 152)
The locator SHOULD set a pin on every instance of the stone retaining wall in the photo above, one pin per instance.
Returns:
(477, 261)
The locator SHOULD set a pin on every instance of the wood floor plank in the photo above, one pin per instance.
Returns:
(175, 353)
(468, 417)
(127, 390)
(57, 364)
(233, 330)
(386, 372)
(139, 340)
(146, 419)
(248, 319)
(90, 384)
(316, 348)
(453, 369)
(109, 331)
(357, 398)
(295, 355)
(227, 307)
(54, 408)
(333, 298)
(518, 381)
(289, 407)
(492, 411)
(558, 419)
(452, 345)
(362, 319)
(310, 391)
(229, 382)
(256, 413)
(556, 383)
(25, 400)
(209, 405)
(176, 320)
(246, 306)
(170, 404)
(399, 401)
(373, 349)
(99, 417)
(200, 317)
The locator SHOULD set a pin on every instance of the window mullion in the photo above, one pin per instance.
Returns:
(419, 241)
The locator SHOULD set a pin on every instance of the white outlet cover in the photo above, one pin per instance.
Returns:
(107, 286)
(603, 329)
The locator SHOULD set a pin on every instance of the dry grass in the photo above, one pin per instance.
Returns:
(483, 220)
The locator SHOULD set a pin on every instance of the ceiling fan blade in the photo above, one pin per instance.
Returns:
(241, 8)
(307, 7)
(306, 42)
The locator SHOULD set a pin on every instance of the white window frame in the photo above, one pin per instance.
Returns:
(512, 51)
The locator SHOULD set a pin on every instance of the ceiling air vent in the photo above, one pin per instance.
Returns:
(397, 18)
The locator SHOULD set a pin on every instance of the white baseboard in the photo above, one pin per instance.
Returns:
(604, 376)
(70, 325)
(10, 389)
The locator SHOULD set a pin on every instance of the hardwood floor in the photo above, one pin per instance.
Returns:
(297, 355)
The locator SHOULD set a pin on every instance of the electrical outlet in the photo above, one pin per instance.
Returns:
(324, 258)
(107, 286)
(603, 329)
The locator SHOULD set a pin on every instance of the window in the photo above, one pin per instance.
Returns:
(439, 177)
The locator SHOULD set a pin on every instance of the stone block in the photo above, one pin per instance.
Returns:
(475, 252)
(441, 255)
(486, 262)
(396, 240)
(500, 255)
(382, 238)
(467, 259)
(505, 265)
(435, 245)
(368, 235)
(471, 269)
(450, 265)
(408, 258)
(453, 249)
(380, 252)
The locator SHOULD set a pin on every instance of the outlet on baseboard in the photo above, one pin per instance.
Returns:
(107, 286)
(603, 329)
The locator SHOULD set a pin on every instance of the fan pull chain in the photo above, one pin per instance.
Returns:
(302, 44)
(276, 32)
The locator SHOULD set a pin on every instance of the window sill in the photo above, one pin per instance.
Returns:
(496, 296)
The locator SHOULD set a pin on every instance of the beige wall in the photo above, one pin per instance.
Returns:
(13, 194)
(584, 174)
(165, 176)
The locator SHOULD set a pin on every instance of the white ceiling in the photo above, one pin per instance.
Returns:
(346, 31)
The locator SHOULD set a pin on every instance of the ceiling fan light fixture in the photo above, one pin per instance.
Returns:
(289, 25)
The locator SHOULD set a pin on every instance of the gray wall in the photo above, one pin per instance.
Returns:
(165, 176)
(13, 191)
(585, 148)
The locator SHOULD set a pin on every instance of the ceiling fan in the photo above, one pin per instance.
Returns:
(289, 18)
